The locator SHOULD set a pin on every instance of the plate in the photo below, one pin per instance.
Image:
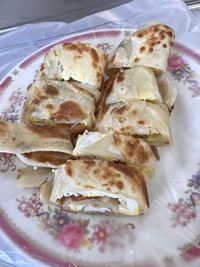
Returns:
(167, 236)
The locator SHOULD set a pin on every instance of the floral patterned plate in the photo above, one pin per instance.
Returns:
(167, 236)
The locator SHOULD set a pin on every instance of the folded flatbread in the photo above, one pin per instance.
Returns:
(148, 47)
(44, 146)
(115, 146)
(139, 118)
(81, 62)
(100, 186)
(58, 102)
(138, 83)
(167, 90)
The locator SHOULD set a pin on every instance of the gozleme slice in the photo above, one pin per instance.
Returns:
(138, 83)
(58, 102)
(119, 147)
(148, 47)
(79, 61)
(100, 186)
(138, 118)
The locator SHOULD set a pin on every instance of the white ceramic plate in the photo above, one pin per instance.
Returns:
(167, 236)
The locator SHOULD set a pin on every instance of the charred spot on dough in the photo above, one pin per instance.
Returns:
(55, 158)
(131, 146)
(122, 168)
(43, 97)
(150, 49)
(69, 110)
(121, 76)
(134, 112)
(119, 185)
(116, 139)
(94, 55)
(155, 151)
(3, 127)
(89, 163)
(141, 122)
(49, 131)
(142, 155)
(49, 106)
(51, 90)
(99, 76)
(164, 46)
(136, 60)
(140, 35)
(120, 110)
(170, 33)
(35, 101)
(142, 49)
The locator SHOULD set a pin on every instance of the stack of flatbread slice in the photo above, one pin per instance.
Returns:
(108, 170)
(66, 87)
(134, 101)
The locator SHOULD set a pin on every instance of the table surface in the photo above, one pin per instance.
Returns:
(15, 13)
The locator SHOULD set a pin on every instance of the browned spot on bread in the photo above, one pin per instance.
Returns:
(121, 167)
(136, 60)
(89, 186)
(14, 138)
(89, 163)
(142, 155)
(69, 110)
(131, 146)
(141, 122)
(140, 35)
(56, 158)
(69, 170)
(3, 127)
(116, 139)
(43, 97)
(120, 110)
(142, 49)
(55, 54)
(94, 64)
(121, 76)
(158, 42)
(96, 171)
(51, 90)
(99, 76)
(164, 46)
(94, 55)
(170, 33)
(134, 112)
(150, 49)
(49, 106)
(49, 131)
(35, 101)
(155, 152)
(120, 185)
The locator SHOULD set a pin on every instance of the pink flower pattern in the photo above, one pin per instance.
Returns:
(72, 236)
(181, 71)
(185, 210)
(7, 162)
(75, 234)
